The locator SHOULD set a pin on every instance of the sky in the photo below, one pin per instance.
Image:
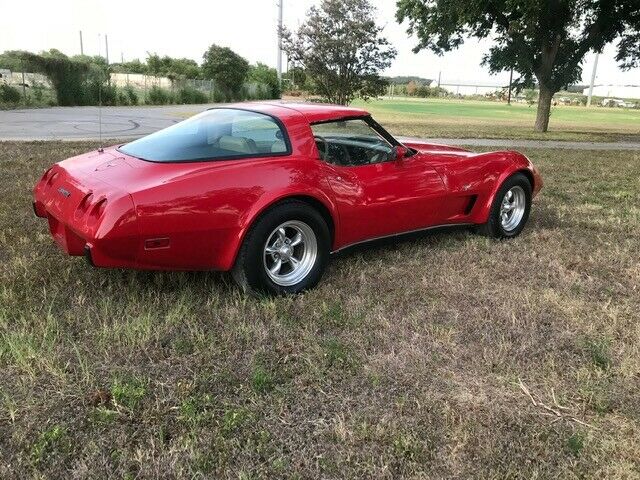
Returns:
(186, 28)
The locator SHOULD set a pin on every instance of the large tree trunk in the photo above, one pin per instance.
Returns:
(544, 108)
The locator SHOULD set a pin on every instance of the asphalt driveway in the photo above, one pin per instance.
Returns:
(82, 123)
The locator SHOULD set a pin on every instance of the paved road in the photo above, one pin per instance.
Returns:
(81, 123)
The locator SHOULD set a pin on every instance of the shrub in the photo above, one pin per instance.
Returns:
(122, 98)
(95, 93)
(219, 96)
(131, 95)
(188, 94)
(159, 96)
(67, 76)
(38, 92)
(9, 94)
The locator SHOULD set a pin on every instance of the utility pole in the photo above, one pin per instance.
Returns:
(510, 82)
(280, 42)
(106, 47)
(439, 75)
(593, 79)
(81, 47)
(24, 86)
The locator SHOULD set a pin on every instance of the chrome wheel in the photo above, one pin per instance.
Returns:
(512, 208)
(290, 253)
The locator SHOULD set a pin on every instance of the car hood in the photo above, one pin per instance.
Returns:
(434, 148)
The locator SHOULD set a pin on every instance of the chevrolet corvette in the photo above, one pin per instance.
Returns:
(269, 190)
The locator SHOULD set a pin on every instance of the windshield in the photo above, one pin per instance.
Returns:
(219, 133)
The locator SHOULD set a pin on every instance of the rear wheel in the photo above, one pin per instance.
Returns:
(510, 209)
(285, 251)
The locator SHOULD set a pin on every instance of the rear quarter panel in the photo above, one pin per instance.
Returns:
(207, 209)
(206, 215)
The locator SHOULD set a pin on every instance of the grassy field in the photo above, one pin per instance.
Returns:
(435, 118)
(448, 355)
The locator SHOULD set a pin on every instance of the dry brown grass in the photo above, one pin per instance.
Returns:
(409, 359)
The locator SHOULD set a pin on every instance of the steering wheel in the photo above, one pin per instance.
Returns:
(325, 146)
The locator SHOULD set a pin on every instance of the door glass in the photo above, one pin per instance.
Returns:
(350, 143)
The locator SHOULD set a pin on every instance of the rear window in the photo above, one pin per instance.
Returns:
(220, 133)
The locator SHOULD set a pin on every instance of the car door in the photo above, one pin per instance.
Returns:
(376, 194)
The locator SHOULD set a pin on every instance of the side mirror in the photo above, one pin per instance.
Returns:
(399, 152)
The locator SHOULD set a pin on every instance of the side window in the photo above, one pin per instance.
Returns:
(350, 143)
(261, 132)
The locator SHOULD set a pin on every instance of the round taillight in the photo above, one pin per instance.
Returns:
(86, 201)
(99, 207)
(45, 175)
(52, 178)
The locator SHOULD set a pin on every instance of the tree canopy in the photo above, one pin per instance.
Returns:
(543, 41)
(341, 50)
(172, 68)
(227, 69)
(265, 75)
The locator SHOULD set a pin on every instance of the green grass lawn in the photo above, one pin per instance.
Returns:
(480, 119)
(445, 356)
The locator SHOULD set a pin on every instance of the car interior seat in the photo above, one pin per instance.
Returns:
(239, 145)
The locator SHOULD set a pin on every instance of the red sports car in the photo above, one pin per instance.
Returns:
(269, 190)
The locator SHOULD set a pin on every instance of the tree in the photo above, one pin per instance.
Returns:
(341, 49)
(296, 76)
(155, 66)
(265, 75)
(67, 76)
(227, 69)
(411, 88)
(133, 66)
(545, 40)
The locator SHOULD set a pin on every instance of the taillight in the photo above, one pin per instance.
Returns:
(98, 208)
(84, 205)
(45, 175)
(86, 201)
(52, 178)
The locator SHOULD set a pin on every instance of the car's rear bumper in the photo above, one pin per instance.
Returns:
(88, 215)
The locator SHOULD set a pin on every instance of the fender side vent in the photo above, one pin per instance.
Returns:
(470, 205)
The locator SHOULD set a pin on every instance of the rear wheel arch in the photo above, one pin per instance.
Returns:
(250, 263)
(320, 207)
(310, 200)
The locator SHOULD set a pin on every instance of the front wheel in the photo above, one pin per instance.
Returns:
(285, 251)
(510, 208)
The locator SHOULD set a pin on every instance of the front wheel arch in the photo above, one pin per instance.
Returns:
(490, 226)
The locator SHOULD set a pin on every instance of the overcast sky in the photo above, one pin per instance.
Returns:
(185, 28)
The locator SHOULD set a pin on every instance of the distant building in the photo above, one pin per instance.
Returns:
(616, 91)
(470, 88)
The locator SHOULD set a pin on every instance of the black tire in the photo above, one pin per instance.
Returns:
(493, 227)
(250, 271)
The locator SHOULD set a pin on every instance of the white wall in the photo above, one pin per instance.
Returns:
(615, 91)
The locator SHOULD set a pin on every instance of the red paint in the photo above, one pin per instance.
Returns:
(139, 214)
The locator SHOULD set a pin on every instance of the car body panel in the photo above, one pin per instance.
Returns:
(127, 212)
